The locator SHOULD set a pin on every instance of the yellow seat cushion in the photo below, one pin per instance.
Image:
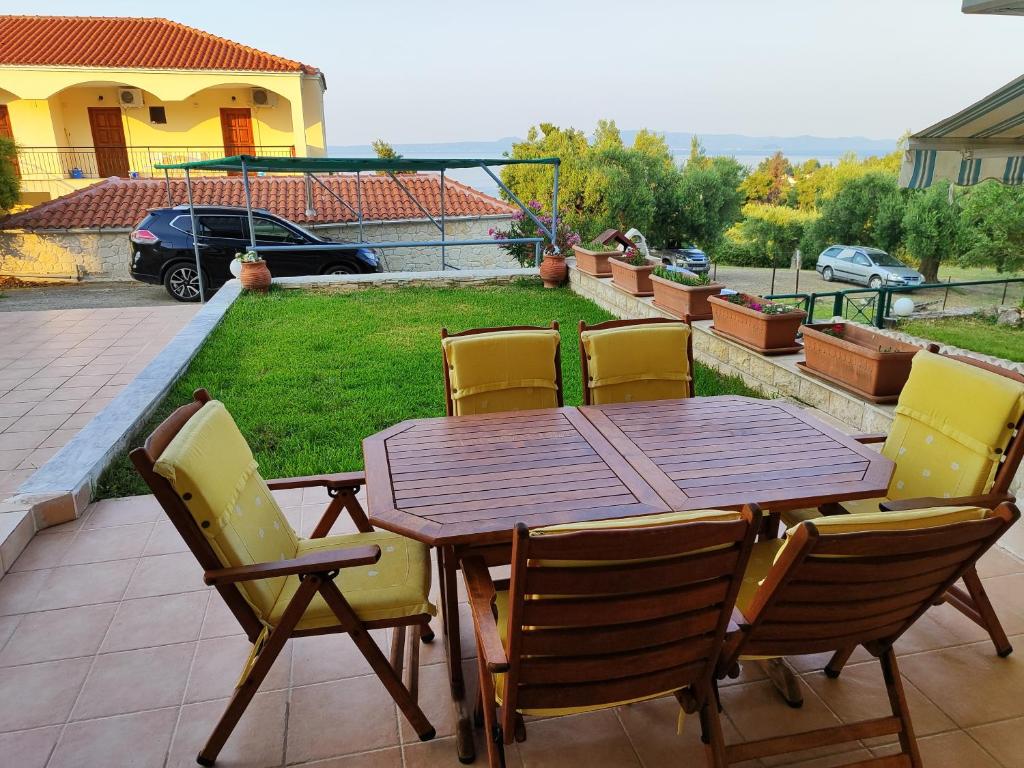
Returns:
(394, 587)
(796, 516)
(632, 364)
(502, 371)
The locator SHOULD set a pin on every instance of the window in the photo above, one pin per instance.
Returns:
(221, 226)
(157, 115)
(846, 255)
(268, 231)
(861, 260)
(832, 252)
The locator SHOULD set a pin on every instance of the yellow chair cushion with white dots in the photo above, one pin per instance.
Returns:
(631, 364)
(397, 585)
(502, 371)
(953, 421)
(210, 466)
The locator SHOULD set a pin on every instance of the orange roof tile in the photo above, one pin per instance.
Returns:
(122, 203)
(131, 43)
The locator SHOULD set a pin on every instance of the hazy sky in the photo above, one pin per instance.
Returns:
(431, 70)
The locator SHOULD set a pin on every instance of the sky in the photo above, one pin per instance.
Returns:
(438, 70)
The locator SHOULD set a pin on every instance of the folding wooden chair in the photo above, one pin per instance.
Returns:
(627, 361)
(607, 613)
(277, 584)
(956, 440)
(491, 370)
(844, 581)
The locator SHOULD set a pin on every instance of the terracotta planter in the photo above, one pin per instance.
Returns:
(862, 360)
(767, 334)
(594, 263)
(688, 302)
(553, 270)
(633, 280)
(255, 276)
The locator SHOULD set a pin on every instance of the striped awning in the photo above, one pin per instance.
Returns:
(984, 141)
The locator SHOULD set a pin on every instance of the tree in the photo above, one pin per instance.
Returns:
(867, 210)
(931, 227)
(709, 201)
(607, 136)
(386, 152)
(698, 156)
(769, 182)
(992, 222)
(10, 183)
(774, 230)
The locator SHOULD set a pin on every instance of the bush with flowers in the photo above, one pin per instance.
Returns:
(523, 226)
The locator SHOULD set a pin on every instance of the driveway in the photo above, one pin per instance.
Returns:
(84, 296)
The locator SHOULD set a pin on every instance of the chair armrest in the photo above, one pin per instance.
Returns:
(873, 437)
(337, 480)
(988, 501)
(481, 598)
(315, 562)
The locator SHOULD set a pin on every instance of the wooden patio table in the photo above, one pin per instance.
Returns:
(461, 484)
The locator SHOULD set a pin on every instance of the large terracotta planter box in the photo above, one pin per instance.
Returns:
(688, 302)
(866, 362)
(594, 263)
(767, 334)
(633, 280)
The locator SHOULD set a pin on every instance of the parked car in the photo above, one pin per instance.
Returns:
(162, 249)
(689, 257)
(869, 266)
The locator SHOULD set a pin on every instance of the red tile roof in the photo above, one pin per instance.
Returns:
(122, 203)
(132, 43)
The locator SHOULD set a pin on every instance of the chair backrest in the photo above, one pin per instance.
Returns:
(849, 580)
(204, 475)
(627, 361)
(491, 370)
(620, 610)
(954, 430)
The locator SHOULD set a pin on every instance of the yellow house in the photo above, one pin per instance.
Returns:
(87, 98)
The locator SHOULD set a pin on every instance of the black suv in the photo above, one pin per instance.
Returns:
(162, 249)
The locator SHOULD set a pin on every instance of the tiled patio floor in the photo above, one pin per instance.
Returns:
(59, 368)
(113, 653)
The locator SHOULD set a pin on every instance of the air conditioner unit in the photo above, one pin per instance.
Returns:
(261, 97)
(129, 97)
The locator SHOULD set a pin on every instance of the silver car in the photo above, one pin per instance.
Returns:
(869, 266)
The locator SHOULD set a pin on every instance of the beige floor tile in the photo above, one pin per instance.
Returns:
(36, 423)
(1004, 740)
(219, 621)
(7, 626)
(595, 740)
(1007, 594)
(39, 694)
(833, 761)
(436, 700)
(29, 749)
(104, 544)
(431, 754)
(954, 750)
(124, 511)
(381, 758)
(15, 441)
(998, 562)
(140, 740)
(62, 634)
(652, 727)
(218, 663)
(133, 681)
(73, 585)
(19, 591)
(150, 621)
(165, 575)
(44, 552)
(816, 662)
(323, 658)
(164, 540)
(969, 683)
(343, 717)
(257, 741)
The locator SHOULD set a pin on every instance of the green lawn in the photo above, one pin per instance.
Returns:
(308, 376)
(978, 334)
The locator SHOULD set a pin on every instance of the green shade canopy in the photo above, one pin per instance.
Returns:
(343, 164)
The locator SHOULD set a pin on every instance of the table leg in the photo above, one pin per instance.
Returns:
(448, 572)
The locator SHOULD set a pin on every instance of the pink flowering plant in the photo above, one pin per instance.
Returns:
(633, 257)
(757, 304)
(523, 226)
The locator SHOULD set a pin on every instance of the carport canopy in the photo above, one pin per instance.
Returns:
(239, 163)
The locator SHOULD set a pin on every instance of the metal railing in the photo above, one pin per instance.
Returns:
(874, 305)
(49, 163)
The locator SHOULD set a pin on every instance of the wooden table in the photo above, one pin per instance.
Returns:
(461, 484)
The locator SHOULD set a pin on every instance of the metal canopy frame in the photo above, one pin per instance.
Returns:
(309, 167)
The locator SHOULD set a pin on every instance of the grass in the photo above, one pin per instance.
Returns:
(308, 376)
(978, 334)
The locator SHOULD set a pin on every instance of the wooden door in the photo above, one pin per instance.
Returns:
(7, 132)
(236, 127)
(108, 140)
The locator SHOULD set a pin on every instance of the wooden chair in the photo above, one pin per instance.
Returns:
(492, 370)
(606, 613)
(849, 581)
(956, 440)
(276, 584)
(633, 360)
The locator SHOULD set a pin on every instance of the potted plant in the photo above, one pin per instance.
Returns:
(757, 323)
(632, 273)
(592, 258)
(255, 275)
(553, 270)
(861, 360)
(523, 226)
(684, 294)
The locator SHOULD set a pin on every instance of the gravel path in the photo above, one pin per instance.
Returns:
(83, 296)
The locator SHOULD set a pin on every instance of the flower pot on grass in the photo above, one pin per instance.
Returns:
(553, 270)
(255, 274)
(756, 323)
(683, 294)
(866, 362)
(593, 259)
(632, 273)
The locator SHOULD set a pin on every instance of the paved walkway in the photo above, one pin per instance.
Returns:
(59, 368)
(87, 295)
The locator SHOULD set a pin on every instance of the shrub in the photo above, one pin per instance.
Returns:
(683, 278)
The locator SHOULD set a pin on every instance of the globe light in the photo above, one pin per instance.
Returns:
(236, 267)
(903, 306)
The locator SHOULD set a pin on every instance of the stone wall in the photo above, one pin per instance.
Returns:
(105, 254)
